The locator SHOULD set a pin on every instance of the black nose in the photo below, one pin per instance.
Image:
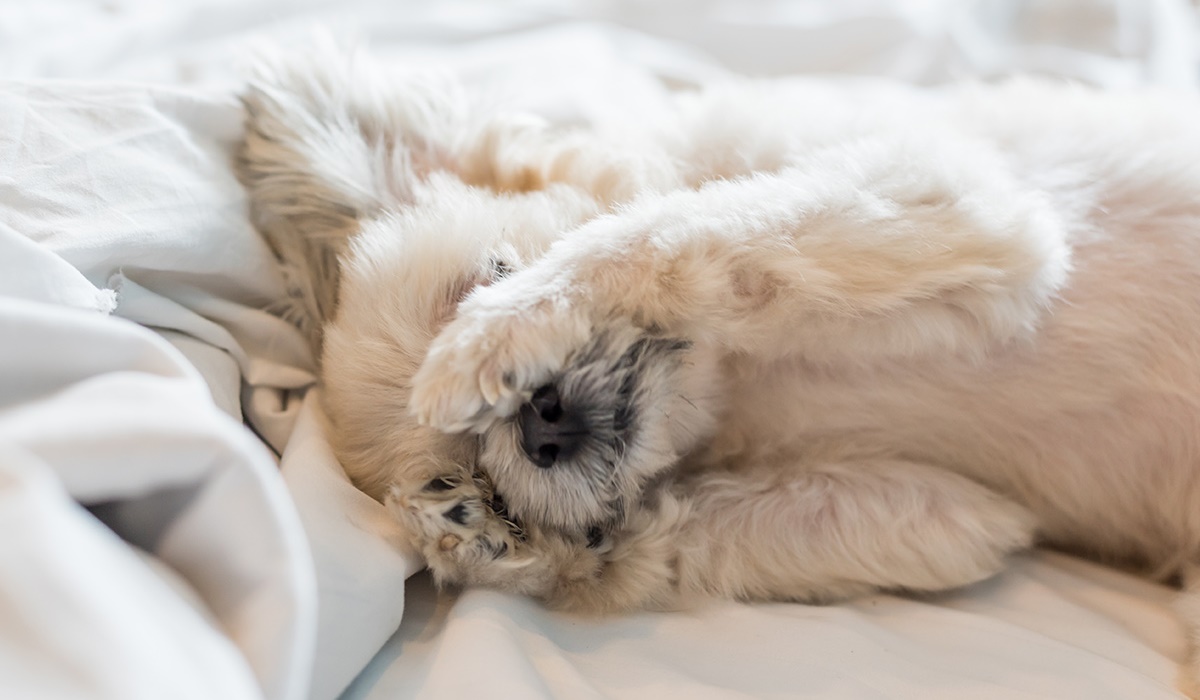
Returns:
(550, 432)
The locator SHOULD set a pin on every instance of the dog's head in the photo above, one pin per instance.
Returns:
(386, 189)
(582, 449)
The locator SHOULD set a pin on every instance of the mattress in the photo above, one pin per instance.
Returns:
(175, 522)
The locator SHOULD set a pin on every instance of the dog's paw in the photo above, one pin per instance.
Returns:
(968, 542)
(490, 360)
(459, 524)
(468, 538)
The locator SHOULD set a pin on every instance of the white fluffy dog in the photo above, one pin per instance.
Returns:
(793, 342)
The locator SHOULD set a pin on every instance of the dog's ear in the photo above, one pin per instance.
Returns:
(331, 139)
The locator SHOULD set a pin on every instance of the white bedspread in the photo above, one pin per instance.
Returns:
(151, 548)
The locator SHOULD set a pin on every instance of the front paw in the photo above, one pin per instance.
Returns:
(487, 362)
(459, 524)
(468, 538)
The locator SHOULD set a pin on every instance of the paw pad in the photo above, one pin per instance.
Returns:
(457, 514)
(441, 483)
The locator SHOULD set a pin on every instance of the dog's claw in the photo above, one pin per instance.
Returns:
(491, 389)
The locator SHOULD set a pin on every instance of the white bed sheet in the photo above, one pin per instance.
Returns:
(117, 205)
(1051, 628)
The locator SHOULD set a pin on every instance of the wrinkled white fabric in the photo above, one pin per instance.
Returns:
(362, 558)
(1110, 42)
(1051, 628)
(95, 621)
(117, 200)
(104, 412)
(118, 204)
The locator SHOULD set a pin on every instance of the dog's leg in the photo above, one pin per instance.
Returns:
(466, 538)
(820, 535)
(881, 250)
(830, 532)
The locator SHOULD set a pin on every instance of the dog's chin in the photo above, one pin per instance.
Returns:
(594, 492)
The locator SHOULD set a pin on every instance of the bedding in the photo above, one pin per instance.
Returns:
(175, 523)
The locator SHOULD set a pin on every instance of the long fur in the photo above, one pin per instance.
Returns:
(827, 341)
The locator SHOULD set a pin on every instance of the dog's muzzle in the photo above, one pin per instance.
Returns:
(550, 431)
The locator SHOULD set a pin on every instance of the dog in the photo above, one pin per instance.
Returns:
(791, 341)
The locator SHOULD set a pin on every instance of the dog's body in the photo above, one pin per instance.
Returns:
(812, 342)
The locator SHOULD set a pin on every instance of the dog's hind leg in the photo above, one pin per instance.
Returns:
(819, 535)
(841, 528)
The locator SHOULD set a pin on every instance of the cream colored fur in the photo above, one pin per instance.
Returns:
(919, 332)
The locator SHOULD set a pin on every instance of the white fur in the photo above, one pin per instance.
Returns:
(923, 328)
